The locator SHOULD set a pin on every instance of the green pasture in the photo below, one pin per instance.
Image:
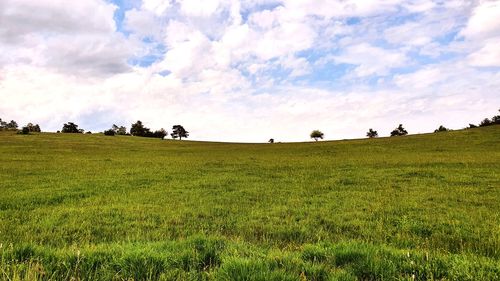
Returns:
(95, 207)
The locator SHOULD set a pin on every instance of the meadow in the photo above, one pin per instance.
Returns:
(95, 207)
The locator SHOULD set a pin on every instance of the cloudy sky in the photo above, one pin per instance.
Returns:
(250, 70)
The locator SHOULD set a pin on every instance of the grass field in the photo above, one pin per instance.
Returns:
(91, 207)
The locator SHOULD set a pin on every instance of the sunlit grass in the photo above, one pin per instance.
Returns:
(114, 208)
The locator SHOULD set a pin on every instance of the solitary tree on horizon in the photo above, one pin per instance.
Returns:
(71, 127)
(179, 132)
(399, 131)
(441, 129)
(317, 134)
(371, 133)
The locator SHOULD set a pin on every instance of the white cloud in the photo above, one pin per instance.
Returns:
(250, 70)
(484, 22)
(45, 32)
(23, 17)
(197, 8)
(489, 55)
(158, 7)
(371, 60)
(143, 23)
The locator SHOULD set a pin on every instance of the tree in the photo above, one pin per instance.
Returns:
(179, 132)
(3, 124)
(471, 126)
(496, 119)
(138, 129)
(441, 129)
(12, 125)
(161, 133)
(24, 131)
(71, 127)
(271, 141)
(317, 134)
(33, 128)
(372, 134)
(119, 130)
(399, 131)
(485, 122)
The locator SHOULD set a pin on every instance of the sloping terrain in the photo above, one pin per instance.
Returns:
(93, 207)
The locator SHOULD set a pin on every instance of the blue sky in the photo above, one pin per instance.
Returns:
(234, 70)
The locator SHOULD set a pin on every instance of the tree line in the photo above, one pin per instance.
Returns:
(136, 129)
(13, 126)
(178, 132)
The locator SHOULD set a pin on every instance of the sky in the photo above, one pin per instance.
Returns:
(248, 71)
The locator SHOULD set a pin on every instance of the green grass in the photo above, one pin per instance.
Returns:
(91, 207)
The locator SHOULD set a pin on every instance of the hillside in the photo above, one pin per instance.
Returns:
(93, 207)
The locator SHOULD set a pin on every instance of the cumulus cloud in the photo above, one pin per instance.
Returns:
(251, 70)
(80, 38)
(371, 60)
(484, 22)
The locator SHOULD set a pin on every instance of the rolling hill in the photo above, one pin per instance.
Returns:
(94, 207)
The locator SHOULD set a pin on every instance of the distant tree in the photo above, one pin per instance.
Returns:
(12, 125)
(88, 132)
(109, 132)
(271, 141)
(441, 129)
(33, 128)
(372, 134)
(179, 132)
(138, 129)
(471, 126)
(399, 131)
(161, 133)
(121, 130)
(24, 131)
(3, 124)
(485, 122)
(496, 119)
(317, 134)
(71, 127)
